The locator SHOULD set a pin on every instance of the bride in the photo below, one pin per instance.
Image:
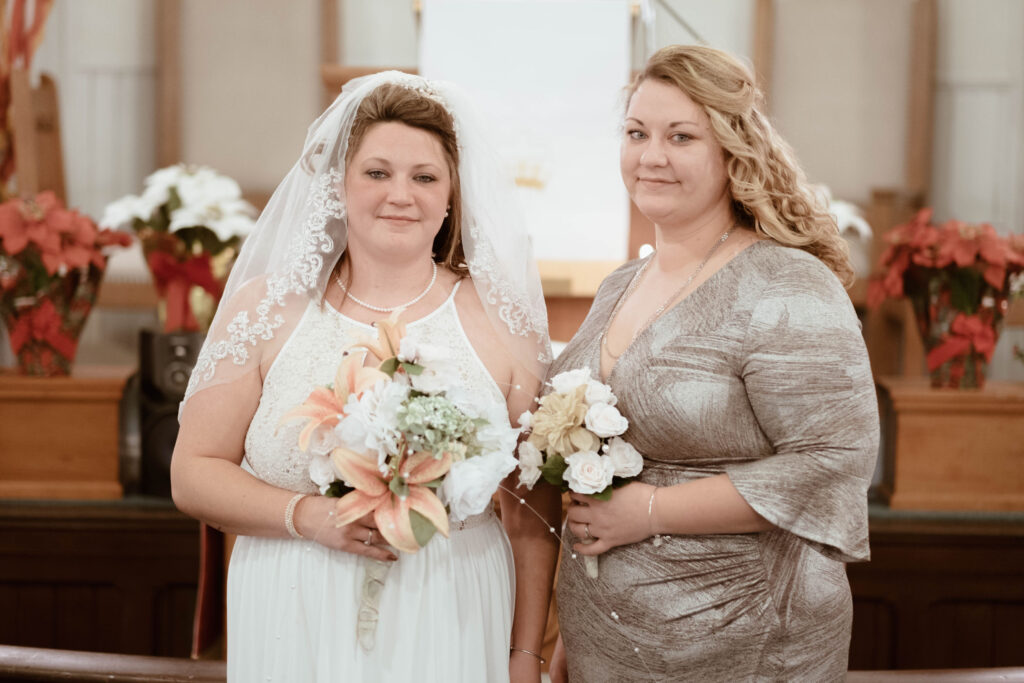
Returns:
(395, 203)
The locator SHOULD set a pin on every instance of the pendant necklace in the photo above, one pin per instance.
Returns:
(636, 281)
(382, 309)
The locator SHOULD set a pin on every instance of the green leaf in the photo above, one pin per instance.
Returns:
(389, 366)
(399, 487)
(606, 494)
(552, 470)
(422, 528)
(965, 290)
(412, 368)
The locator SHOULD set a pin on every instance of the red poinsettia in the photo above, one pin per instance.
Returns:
(958, 277)
(51, 262)
(919, 251)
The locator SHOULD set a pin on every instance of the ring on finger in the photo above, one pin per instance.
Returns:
(586, 532)
(369, 538)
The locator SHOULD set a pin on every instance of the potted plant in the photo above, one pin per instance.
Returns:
(51, 262)
(959, 277)
(190, 221)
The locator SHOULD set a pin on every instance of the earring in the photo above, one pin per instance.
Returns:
(446, 211)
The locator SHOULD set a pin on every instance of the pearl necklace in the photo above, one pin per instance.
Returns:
(661, 309)
(382, 309)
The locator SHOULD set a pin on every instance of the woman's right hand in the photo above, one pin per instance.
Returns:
(559, 668)
(314, 519)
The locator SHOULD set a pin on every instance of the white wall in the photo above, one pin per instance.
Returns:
(250, 85)
(978, 151)
(839, 90)
(102, 56)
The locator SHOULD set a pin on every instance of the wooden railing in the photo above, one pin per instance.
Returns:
(43, 665)
(31, 664)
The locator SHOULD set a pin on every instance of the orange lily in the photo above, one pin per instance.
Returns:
(389, 338)
(391, 512)
(325, 406)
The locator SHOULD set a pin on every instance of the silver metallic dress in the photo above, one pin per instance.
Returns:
(761, 373)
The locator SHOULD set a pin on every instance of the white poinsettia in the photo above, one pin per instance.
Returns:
(207, 199)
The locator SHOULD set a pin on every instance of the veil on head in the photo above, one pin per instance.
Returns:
(288, 258)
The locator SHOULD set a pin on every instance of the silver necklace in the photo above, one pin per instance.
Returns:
(661, 309)
(382, 309)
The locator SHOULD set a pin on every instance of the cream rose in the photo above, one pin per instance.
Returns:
(570, 379)
(598, 392)
(605, 420)
(627, 460)
(530, 460)
(588, 472)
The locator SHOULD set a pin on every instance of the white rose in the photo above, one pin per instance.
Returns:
(431, 382)
(605, 420)
(469, 485)
(567, 381)
(526, 419)
(588, 472)
(627, 460)
(598, 392)
(407, 350)
(530, 460)
(321, 471)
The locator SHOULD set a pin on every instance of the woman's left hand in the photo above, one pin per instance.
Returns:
(619, 521)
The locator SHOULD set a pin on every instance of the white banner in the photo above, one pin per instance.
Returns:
(550, 76)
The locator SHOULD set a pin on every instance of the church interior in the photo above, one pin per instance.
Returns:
(892, 107)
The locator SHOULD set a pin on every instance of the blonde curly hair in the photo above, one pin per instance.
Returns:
(769, 191)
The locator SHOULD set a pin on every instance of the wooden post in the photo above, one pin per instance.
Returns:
(168, 85)
(921, 105)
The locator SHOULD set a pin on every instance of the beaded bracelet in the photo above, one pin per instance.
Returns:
(289, 515)
(529, 652)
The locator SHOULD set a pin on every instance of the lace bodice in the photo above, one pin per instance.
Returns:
(310, 358)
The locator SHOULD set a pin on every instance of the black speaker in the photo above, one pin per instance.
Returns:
(165, 364)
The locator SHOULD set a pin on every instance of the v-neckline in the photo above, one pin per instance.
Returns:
(664, 314)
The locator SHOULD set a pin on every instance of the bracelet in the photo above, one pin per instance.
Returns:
(529, 652)
(650, 511)
(289, 515)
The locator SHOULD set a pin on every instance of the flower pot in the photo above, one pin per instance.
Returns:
(959, 346)
(44, 329)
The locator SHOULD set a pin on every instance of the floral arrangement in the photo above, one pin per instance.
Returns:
(190, 220)
(403, 441)
(959, 278)
(51, 262)
(576, 441)
(414, 447)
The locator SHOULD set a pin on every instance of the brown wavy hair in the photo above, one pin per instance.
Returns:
(392, 102)
(769, 191)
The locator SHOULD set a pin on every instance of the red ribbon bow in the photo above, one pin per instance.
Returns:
(965, 332)
(173, 280)
(44, 324)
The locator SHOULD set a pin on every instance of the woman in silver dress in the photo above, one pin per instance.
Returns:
(737, 357)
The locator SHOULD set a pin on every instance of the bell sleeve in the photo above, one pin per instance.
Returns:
(809, 383)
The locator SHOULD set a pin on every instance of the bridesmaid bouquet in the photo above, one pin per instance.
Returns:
(575, 442)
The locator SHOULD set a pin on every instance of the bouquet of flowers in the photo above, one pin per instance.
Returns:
(190, 220)
(51, 262)
(576, 442)
(413, 447)
(959, 278)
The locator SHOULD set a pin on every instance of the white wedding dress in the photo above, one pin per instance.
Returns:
(445, 613)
